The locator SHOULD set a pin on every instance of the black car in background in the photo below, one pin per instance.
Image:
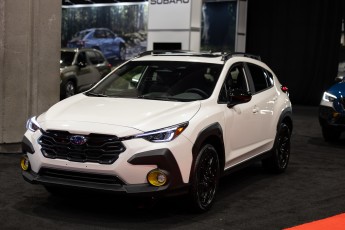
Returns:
(332, 110)
(80, 69)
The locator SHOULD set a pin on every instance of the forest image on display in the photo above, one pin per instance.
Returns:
(128, 21)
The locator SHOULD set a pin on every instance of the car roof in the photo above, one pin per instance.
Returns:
(95, 28)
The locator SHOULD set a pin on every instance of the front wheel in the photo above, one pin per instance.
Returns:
(279, 160)
(69, 89)
(205, 178)
(122, 54)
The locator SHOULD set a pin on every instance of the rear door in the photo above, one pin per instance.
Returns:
(264, 102)
(98, 61)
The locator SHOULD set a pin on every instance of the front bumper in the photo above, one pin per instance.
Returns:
(328, 116)
(163, 158)
(138, 190)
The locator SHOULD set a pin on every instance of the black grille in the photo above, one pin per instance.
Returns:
(98, 148)
(79, 176)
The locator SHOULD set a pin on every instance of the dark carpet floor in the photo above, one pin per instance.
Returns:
(312, 188)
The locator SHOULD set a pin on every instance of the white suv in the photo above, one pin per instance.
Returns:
(163, 123)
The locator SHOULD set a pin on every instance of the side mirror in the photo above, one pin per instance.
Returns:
(81, 64)
(339, 79)
(238, 96)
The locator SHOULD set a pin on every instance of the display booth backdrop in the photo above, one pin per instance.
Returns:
(300, 41)
(218, 26)
(127, 20)
(130, 21)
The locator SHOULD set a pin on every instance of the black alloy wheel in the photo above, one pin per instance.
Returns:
(279, 160)
(205, 178)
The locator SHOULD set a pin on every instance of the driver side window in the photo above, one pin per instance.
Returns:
(81, 59)
(235, 79)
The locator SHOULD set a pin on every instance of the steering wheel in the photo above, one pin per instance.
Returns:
(198, 91)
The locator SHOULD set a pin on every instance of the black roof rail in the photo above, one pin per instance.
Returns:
(174, 52)
(227, 56)
(158, 52)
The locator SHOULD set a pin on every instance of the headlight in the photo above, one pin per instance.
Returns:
(163, 135)
(328, 97)
(32, 124)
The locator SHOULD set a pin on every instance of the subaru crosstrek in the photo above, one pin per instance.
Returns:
(163, 123)
(103, 39)
(332, 111)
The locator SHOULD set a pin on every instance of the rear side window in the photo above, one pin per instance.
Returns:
(99, 34)
(100, 58)
(262, 78)
(108, 34)
(95, 58)
(269, 78)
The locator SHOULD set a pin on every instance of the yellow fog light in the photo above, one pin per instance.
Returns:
(25, 163)
(157, 177)
(335, 114)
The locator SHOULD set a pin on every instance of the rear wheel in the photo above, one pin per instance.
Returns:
(279, 160)
(205, 178)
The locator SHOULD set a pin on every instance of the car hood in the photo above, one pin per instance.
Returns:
(127, 116)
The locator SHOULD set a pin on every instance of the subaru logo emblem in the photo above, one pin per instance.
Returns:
(77, 140)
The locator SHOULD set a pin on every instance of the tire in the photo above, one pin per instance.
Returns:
(122, 54)
(330, 134)
(205, 179)
(279, 160)
(69, 89)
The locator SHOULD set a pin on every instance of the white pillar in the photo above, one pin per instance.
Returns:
(29, 64)
(174, 22)
(241, 28)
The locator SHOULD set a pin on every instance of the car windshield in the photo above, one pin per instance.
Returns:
(160, 80)
(66, 58)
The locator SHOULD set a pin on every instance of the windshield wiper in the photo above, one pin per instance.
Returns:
(159, 98)
(95, 94)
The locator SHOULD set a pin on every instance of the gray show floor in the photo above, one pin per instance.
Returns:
(312, 188)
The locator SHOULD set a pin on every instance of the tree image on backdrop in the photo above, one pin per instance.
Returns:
(128, 21)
